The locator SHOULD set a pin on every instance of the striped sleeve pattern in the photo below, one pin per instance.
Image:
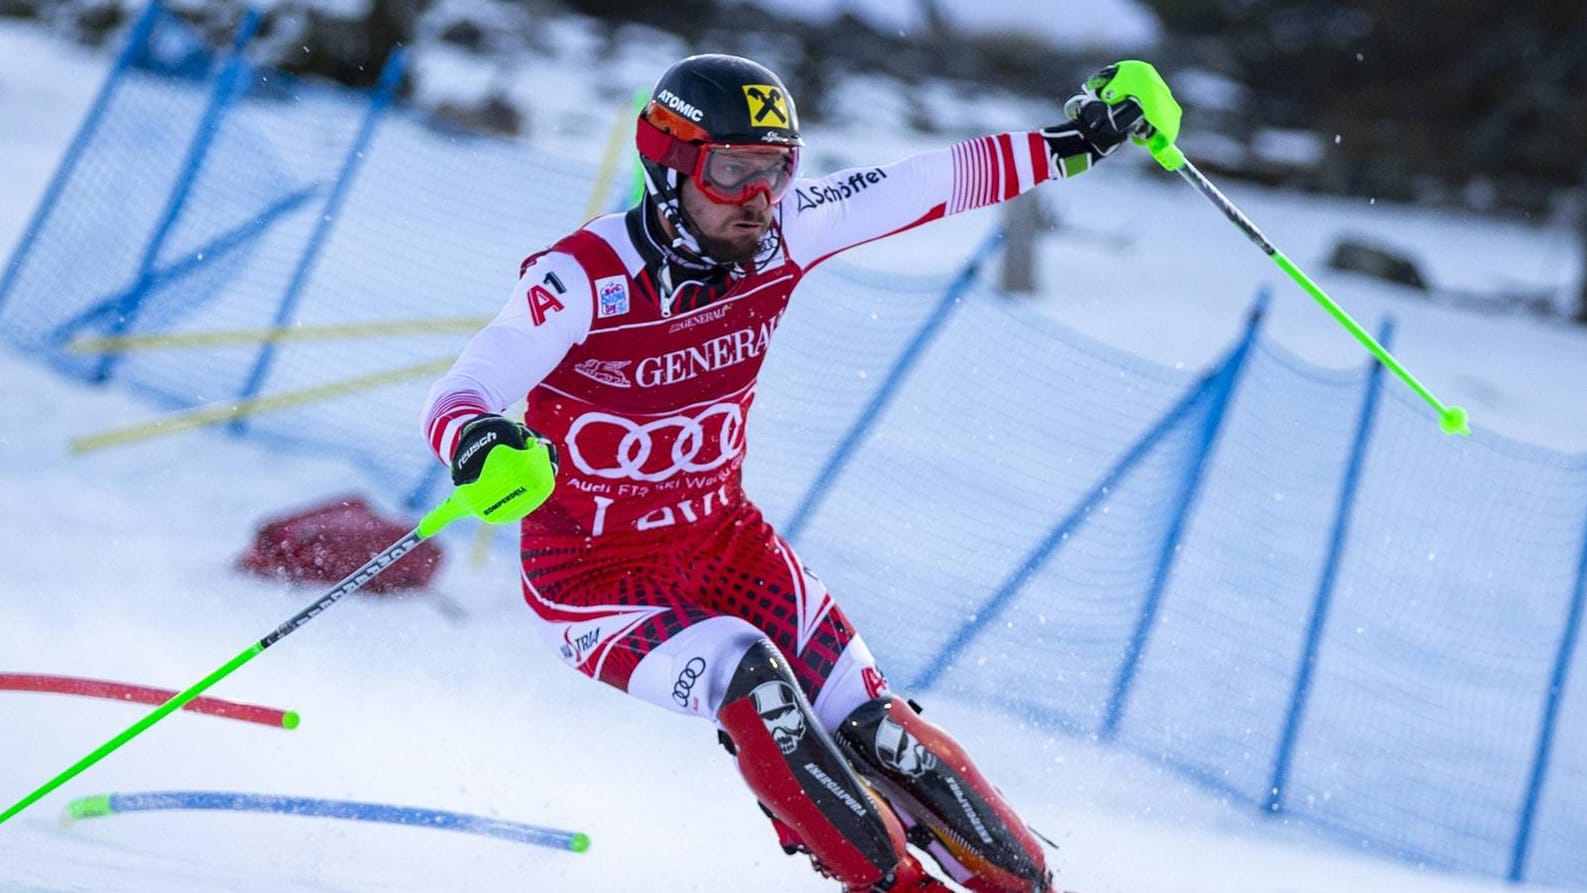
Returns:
(446, 417)
(992, 169)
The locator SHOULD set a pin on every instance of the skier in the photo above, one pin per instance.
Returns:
(638, 339)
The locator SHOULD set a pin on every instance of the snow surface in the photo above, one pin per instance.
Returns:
(120, 567)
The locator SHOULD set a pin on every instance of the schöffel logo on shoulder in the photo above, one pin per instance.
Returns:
(840, 190)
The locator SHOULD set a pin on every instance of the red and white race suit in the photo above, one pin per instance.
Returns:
(648, 560)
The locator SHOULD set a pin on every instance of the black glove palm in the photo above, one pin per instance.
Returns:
(1094, 131)
(1107, 112)
(1105, 127)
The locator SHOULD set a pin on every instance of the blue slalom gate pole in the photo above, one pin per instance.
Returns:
(114, 804)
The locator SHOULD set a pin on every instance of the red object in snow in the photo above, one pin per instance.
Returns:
(143, 694)
(327, 542)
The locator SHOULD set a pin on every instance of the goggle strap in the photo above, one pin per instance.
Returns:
(663, 148)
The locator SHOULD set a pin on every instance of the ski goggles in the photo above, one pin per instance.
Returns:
(733, 174)
(727, 173)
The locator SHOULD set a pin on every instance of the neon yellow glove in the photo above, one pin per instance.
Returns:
(1137, 83)
(502, 469)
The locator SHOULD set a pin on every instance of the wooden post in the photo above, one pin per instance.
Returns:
(1022, 217)
(1581, 230)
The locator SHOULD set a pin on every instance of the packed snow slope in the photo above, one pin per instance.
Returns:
(121, 567)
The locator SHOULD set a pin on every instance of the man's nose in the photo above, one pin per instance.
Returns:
(760, 200)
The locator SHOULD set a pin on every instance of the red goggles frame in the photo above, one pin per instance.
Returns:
(727, 173)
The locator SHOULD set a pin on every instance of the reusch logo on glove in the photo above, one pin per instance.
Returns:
(473, 448)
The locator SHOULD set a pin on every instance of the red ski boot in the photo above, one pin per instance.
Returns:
(909, 877)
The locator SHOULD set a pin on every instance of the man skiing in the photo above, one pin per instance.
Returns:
(638, 339)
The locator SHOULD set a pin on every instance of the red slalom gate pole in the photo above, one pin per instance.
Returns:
(454, 507)
(143, 694)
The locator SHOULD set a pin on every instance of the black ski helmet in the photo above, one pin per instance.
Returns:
(716, 98)
(707, 100)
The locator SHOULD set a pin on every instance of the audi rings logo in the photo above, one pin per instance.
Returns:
(692, 671)
(617, 448)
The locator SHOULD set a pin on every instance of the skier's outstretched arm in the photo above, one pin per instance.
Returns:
(851, 207)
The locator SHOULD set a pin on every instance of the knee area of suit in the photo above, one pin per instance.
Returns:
(863, 722)
(761, 665)
(764, 703)
(886, 735)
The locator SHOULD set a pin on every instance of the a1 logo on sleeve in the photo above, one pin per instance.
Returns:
(542, 301)
(611, 296)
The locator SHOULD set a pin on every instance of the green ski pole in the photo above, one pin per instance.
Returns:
(1134, 79)
(512, 483)
(452, 509)
(1451, 419)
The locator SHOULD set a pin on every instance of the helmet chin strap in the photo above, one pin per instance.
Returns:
(680, 244)
(683, 245)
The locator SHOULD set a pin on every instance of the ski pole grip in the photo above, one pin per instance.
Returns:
(452, 509)
(1162, 148)
(1167, 155)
